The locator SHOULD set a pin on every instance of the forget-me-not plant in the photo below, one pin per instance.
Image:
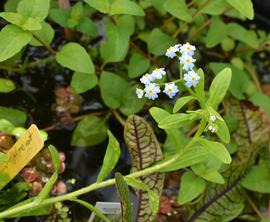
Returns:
(184, 54)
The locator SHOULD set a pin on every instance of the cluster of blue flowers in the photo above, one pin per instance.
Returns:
(191, 78)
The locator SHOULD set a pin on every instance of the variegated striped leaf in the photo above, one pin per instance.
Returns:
(145, 151)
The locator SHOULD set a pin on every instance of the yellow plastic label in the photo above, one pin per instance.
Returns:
(20, 154)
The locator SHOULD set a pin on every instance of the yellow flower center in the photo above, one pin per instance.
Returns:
(188, 48)
(150, 91)
(170, 90)
(188, 60)
(193, 78)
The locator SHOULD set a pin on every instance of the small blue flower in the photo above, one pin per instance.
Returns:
(187, 49)
(191, 79)
(151, 91)
(171, 52)
(158, 73)
(147, 78)
(139, 93)
(187, 62)
(170, 89)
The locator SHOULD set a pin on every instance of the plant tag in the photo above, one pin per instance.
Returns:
(111, 209)
(20, 154)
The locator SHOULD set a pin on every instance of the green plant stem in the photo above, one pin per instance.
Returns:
(24, 67)
(254, 207)
(9, 68)
(48, 47)
(181, 71)
(118, 117)
(69, 196)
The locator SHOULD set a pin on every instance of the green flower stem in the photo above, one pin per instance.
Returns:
(181, 71)
(95, 186)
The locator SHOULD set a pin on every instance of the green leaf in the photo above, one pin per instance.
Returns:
(46, 34)
(239, 82)
(116, 7)
(130, 103)
(145, 151)
(16, 117)
(13, 195)
(123, 193)
(179, 9)
(90, 131)
(265, 220)
(181, 102)
(222, 129)
(191, 186)
(37, 9)
(158, 114)
(49, 185)
(111, 157)
(178, 120)
(6, 85)
(137, 65)
(117, 43)
(139, 185)
(238, 32)
(219, 87)
(12, 39)
(223, 132)
(6, 126)
(193, 155)
(258, 178)
(208, 173)
(87, 26)
(199, 88)
(23, 22)
(244, 7)
(158, 42)
(126, 22)
(3, 158)
(60, 16)
(213, 37)
(74, 56)
(225, 202)
(113, 89)
(175, 141)
(92, 209)
(82, 82)
(216, 7)
(261, 100)
(217, 149)
(227, 44)
(75, 15)
(11, 5)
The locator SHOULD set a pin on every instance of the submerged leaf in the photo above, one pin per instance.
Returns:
(145, 151)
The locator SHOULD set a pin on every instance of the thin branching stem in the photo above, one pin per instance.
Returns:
(98, 185)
